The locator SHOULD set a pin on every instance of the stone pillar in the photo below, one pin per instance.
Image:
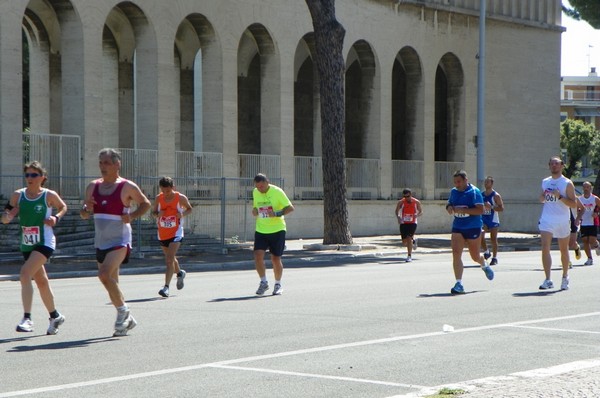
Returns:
(384, 115)
(230, 113)
(286, 121)
(11, 110)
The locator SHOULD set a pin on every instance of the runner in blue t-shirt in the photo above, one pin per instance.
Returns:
(466, 205)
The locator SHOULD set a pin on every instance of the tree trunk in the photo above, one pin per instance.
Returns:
(329, 41)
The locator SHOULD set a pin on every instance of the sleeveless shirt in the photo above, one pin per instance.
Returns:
(111, 231)
(32, 213)
(169, 226)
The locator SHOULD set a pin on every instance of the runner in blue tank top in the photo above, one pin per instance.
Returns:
(492, 205)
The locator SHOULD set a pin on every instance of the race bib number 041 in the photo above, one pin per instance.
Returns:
(31, 235)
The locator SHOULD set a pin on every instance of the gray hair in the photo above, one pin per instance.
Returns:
(115, 156)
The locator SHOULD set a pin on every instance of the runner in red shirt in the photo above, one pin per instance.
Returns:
(408, 209)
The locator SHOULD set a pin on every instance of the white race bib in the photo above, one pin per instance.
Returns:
(168, 222)
(31, 236)
(263, 212)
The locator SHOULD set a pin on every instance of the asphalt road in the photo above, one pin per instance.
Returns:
(343, 328)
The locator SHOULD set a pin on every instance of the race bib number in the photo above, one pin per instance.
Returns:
(263, 212)
(31, 236)
(549, 197)
(486, 210)
(460, 215)
(168, 222)
(408, 218)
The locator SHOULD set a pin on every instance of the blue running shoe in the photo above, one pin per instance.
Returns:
(489, 273)
(457, 289)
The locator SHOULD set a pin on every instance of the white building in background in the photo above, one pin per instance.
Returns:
(230, 88)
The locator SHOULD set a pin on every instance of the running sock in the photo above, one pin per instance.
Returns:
(54, 314)
(263, 278)
(278, 282)
(27, 315)
(122, 308)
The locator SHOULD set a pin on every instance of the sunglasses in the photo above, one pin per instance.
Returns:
(32, 175)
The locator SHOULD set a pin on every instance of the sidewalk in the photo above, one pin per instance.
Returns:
(298, 252)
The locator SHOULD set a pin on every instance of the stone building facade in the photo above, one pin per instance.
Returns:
(236, 78)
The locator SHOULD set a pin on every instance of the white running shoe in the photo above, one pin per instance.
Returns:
(565, 283)
(26, 325)
(54, 324)
(277, 289)
(547, 284)
(125, 326)
(408, 259)
(589, 262)
(164, 291)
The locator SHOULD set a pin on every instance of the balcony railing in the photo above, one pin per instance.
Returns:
(580, 95)
(407, 174)
(444, 180)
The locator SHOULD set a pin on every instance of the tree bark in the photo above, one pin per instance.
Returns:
(329, 41)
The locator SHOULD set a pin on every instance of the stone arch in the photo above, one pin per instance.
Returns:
(361, 102)
(407, 106)
(130, 113)
(449, 110)
(258, 93)
(54, 104)
(307, 130)
(199, 60)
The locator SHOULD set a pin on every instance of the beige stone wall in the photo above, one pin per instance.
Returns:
(522, 98)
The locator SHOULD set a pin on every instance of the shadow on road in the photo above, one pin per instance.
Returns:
(241, 298)
(61, 345)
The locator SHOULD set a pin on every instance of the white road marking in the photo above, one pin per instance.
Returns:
(318, 376)
(556, 329)
(285, 354)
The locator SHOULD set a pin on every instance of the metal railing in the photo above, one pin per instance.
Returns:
(221, 210)
(308, 177)
(362, 178)
(249, 165)
(407, 174)
(444, 172)
(59, 154)
(198, 164)
(581, 95)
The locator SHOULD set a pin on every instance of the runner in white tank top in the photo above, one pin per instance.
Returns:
(587, 215)
(557, 196)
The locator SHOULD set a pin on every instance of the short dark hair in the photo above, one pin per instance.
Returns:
(166, 182)
(460, 173)
(260, 177)
(556, 158)
(406, 191)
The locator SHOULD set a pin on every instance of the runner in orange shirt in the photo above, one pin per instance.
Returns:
(169, 208)
(408, 209)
